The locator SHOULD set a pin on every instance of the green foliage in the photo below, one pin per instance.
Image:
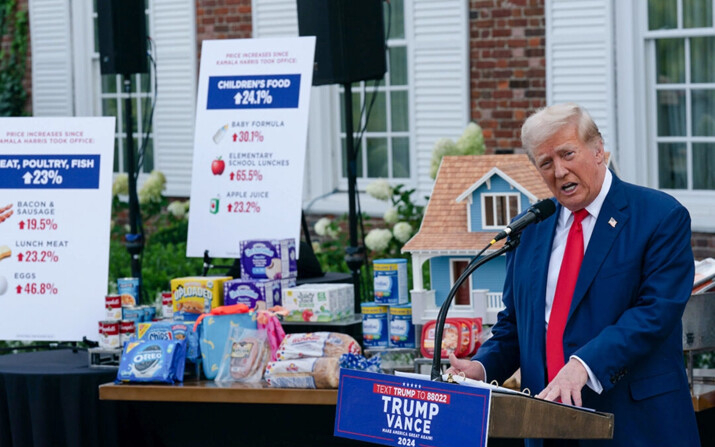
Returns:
(165, 228)
(384, 240)
(13, 27)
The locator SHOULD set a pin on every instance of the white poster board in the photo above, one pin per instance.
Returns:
(56, 179)
(249, 145)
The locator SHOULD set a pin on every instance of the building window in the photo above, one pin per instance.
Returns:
(499, 209)
(111, 98)
(463, 297)
(681, 42)
(384, 150)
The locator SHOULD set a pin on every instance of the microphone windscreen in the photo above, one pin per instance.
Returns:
(544, 209)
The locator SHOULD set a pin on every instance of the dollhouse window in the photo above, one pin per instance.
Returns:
(499, 209)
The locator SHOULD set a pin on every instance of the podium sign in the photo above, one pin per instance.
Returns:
(401, 411)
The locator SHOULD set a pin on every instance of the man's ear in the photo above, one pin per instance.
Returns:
(599, 151)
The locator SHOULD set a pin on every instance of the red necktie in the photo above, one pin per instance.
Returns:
(570, 265)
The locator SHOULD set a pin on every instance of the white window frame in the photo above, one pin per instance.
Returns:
(509, 217)
(454, 305)
(636, 110)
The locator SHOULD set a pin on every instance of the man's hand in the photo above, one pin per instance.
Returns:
(567, 384)
(471, 369)
(5, 213)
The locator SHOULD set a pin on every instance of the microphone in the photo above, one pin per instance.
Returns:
(538, 212)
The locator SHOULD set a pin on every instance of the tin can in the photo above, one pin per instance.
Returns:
(129, 291)
(374, 325)
(133, 313)
(390, 281)
(113, 304)
(127, 328)
(402, 331)
(110, 338)
(167, 305)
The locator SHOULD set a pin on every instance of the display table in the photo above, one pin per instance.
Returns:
(513, 416)
(51, 398)
(209, 391)
(204, 413)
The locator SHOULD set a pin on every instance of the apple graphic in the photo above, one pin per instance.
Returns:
(217, 166)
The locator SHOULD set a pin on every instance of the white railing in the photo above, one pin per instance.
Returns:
(494, 305)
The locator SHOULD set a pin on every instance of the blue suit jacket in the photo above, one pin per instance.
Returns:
(624, 321)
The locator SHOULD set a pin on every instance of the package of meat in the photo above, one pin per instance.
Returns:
(245, 356)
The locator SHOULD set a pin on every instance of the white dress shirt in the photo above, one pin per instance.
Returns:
(557, 254)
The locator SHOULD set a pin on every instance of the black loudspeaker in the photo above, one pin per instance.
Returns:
(350, 39)
(121, 25)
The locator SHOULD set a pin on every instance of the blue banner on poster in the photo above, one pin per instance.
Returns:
(254, 92)
(49, 171)
(401, 411)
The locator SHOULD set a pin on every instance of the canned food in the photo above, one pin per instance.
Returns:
(110, 337)
(113, 303)
(127, 328)
(129, 291)
(167, 305)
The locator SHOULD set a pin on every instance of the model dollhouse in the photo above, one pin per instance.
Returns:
(474, 197)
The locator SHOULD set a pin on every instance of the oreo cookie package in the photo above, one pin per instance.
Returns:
(152, 361)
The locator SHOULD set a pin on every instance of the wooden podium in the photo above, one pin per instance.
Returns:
(512, 415)
(519, 416)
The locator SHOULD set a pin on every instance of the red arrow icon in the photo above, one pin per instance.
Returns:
(232, 174)
(19, 258)
(229, 207)
(19, 289)
(22, 224)
(235, 136)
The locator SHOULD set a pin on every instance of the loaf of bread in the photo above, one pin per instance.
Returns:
(322, 372)
(316, 344)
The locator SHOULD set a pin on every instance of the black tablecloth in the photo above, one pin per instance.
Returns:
(51, 398)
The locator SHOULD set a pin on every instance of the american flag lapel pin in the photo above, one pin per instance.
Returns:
(612, 222)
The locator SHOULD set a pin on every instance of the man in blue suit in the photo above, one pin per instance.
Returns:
(619, 347)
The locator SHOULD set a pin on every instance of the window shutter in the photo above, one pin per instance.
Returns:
(52, 90)
(275, 18)
(174, 35)
(579, 60)
(439, 55)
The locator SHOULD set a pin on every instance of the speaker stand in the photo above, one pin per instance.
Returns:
(354, 254)
(134, 240)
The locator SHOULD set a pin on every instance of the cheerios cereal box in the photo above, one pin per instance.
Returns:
(194, 295)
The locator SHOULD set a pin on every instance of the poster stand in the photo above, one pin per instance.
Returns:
(208, 265)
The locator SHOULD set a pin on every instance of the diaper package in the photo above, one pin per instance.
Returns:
(159, 361)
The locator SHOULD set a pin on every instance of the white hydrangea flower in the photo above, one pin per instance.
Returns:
(380, 189)
(472, 140)
(152, 188)
(120, 185)
(390, 215)
(177, 209)
(321, 226)
(402, 231)
(378, 239)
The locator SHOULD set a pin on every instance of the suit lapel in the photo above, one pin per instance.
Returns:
(602, 238)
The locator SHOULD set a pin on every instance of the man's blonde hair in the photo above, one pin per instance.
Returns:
(546, 121)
